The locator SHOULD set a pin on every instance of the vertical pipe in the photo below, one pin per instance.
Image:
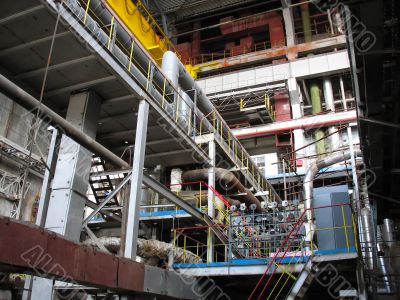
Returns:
(330, 105)
(305, 16)
(316, 109)
(343, 93)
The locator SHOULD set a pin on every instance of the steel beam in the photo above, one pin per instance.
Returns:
(109, 197)
(21, 14)
(79, 86)
(132, 224)
(48, 176)
(172, 197)
(33, 43)
(55, 67)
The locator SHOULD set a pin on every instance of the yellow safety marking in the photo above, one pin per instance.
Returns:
(355, 232)
(86, 12)
(111, 32)
(345, 230)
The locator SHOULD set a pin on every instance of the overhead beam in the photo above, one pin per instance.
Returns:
(21, 14)
(33, 43)
(55, 67)
(79, 86)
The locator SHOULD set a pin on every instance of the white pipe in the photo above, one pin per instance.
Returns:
(334, 139)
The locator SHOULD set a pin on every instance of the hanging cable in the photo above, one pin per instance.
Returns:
(36, 120)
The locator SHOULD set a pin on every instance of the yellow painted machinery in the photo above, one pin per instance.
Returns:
(142, 24)
(145, 28)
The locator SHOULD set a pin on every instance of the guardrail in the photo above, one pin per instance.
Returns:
(179, 111)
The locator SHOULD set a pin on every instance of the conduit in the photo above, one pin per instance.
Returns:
(226, 178)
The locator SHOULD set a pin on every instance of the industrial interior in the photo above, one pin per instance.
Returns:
(198, 149)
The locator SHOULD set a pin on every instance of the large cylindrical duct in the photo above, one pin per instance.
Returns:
(312, 171)
(368, 237)
(334, 140)
(228, 179)
(317, 109)
(388, 232)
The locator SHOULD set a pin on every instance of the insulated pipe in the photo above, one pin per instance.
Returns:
(368, 237)
(330, 105)
(149, 249)
(317, 109)
(312, 171)
(202, 102)
(226, 178)
(305, 16)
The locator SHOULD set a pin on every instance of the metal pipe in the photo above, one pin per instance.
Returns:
(312, 171)
(317, 109)
(29, 102)
(149, 249)
(330, 105)
(305, 16)
(226, 178)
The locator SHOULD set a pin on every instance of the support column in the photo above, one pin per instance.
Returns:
(48, 177)
(289, 30)
(297, 113)
(61, 208)
(71, 178)
(210, 196)
(132, 225)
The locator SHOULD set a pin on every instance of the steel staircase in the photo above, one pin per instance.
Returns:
(303, 282)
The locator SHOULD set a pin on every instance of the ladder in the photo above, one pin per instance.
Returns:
(303, 282)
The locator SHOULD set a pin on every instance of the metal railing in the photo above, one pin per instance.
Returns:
(306, 247)
(190, 120)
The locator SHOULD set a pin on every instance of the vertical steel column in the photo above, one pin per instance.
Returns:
(289, 30)
(210, 196)
(71, 178)
(61, 207)
(356, 193)
(48, 176)
(37, 286)
(132, 226)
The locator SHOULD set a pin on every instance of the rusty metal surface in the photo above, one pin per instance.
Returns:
(49, 255)
(16, 239)
(130, 275)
